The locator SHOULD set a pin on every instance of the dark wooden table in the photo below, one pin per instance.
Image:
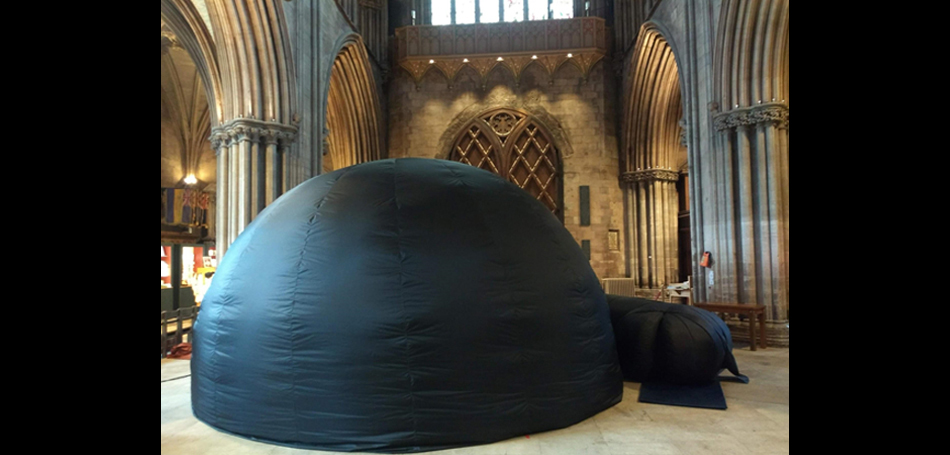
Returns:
(754, 312)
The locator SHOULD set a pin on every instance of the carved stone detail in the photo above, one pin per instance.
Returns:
(417, 68)
(776, 113)
(581, 41)
(502, 123)
(450, 68)
(651, 175)
(267, 133)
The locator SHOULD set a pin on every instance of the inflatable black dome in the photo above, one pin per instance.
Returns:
(672, 344)
(403, 306)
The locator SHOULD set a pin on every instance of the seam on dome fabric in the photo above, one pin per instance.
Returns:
(655, 329)
(293, 301)
(682, 321)
(412, 396)
(217, 333)
(496, 247)
(721, 336)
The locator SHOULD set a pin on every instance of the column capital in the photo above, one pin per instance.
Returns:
(665, 175)
(219, 142)
(776, 113)
(253, 130)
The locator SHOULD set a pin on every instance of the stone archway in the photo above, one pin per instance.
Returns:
(515, 145)
(353, 128)
(654, 152)
(244, 60)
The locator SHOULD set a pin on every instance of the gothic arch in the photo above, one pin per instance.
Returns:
(517, 146)
(353, 129)
(538, 112)
(246, 64)
(652, 147)
(188, 31)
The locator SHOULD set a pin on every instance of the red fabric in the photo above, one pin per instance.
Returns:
(182, 351)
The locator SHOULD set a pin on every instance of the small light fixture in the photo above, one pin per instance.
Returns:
(534, 57)
(431, 61)
(464, 60)
(191, 180)
(570, 55)
(500, 59)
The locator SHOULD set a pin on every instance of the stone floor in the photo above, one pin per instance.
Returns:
(756, 422)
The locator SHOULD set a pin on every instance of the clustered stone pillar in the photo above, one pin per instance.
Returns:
(253, 163)
(653, 220)
(755, 204)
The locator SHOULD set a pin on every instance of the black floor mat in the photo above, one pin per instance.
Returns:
(708, 396)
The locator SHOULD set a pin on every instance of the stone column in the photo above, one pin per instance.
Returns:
(252, 173)
(652, 227)
(756, 265)
(221, 143)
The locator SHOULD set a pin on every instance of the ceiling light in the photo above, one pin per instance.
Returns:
(191, 180)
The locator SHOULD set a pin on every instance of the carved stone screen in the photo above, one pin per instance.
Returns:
(513, 145)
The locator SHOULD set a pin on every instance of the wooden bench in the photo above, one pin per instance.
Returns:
(754, 312)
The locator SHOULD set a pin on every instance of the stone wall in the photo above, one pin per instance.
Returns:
(317, 30)
(580, 114)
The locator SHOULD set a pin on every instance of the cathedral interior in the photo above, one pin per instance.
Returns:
(655, 131)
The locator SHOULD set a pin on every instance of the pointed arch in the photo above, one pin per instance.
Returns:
(517, 146)
(245, 62)
(354, 114)
(191, 33)
(651, 149)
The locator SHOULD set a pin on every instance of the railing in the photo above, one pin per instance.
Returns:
(176, 325)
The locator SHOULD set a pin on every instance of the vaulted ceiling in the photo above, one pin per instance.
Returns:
(186, 121)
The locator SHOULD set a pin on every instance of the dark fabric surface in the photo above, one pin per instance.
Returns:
(402, 306)
(659, 342)
(707, 395)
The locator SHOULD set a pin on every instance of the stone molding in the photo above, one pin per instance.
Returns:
(447, 49)
(651, 175)
(776, 113)
(238, 130)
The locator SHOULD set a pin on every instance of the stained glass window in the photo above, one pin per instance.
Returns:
(489, 11)
(441, 12)
(537, 10)
(514, 10)
(562, 9)
(464, 11)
